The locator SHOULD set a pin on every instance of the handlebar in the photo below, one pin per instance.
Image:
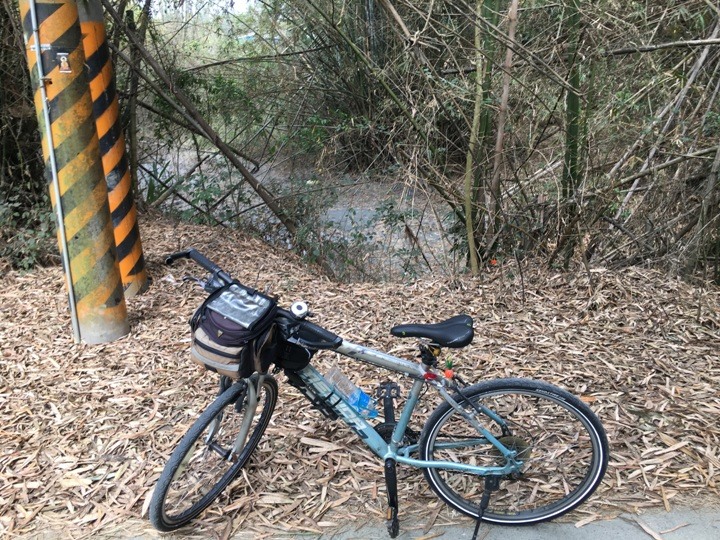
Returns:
(203, 261)
(311, 335)
(307, 334)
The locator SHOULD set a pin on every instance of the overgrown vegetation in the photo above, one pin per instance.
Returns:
(581, 133)
(25, 215)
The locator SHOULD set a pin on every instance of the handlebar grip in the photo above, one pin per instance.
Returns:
(170, 259)
(309, 332)
(202, 260)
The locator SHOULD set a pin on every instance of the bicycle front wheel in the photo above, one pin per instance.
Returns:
(212, 452)
(558, 438)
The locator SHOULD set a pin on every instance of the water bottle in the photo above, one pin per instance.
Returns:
(358, 400)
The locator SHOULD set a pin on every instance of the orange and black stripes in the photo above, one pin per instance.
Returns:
(112, 148)
(96, 282)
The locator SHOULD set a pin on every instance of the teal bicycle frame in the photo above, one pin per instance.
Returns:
(319, 388)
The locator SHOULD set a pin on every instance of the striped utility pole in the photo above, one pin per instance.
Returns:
(72, 158)
(112, 147)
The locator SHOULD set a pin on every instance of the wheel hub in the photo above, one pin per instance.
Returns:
(520, 446)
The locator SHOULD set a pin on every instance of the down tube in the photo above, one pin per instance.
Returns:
(318, 385)
(320, 388)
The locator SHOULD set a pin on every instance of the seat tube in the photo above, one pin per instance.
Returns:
(408, 409)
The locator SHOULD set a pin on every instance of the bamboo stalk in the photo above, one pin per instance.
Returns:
(132, 102)
(499, 141)
(572, 107)
(661, 46)
(669, 163)
(469, 158)
(571, 173)
(489, 15)
(523, 52)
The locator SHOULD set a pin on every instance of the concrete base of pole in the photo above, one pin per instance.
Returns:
(136, 287)
(95, 331)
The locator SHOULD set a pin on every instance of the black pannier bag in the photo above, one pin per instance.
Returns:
(233, 331)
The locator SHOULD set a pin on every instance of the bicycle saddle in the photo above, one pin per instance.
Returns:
(455, 332)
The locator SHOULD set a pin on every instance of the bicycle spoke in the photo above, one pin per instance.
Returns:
(561, 454)
(208, 458)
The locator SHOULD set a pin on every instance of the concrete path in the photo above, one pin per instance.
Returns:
(680, 524)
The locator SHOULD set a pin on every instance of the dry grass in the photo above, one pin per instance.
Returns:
(86, 430)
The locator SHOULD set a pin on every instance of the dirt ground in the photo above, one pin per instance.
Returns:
(86, 429)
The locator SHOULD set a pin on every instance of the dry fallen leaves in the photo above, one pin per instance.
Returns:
(86, 430)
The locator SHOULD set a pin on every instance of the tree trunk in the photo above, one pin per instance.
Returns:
(131, 131)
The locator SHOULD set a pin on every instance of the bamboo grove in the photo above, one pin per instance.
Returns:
(570, 132)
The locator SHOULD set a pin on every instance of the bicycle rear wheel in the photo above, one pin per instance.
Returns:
(560, 440)
(211, 454)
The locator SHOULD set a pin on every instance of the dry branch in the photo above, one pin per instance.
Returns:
(495, 201)
(674, 110)
(267, 197)
(661, 46)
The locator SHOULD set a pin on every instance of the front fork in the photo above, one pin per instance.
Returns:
(250, 401)
(250, 408)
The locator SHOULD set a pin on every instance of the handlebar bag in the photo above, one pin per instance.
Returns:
(233, 331)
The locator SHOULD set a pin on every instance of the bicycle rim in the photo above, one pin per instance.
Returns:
(204, 462)
(560, 441)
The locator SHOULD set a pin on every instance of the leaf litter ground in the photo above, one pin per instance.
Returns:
(86, 430)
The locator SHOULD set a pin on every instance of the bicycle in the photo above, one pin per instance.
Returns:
(505, 451)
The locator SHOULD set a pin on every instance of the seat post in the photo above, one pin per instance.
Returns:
(429, 354)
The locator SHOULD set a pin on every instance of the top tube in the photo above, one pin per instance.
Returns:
(381, 359)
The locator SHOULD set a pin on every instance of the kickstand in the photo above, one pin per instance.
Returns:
(492, 483)
(392, 523)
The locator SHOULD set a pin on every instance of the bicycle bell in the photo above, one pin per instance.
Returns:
(299, 309)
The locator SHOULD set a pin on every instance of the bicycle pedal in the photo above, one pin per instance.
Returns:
(388, 389)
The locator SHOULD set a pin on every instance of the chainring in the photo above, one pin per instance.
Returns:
(385, 430)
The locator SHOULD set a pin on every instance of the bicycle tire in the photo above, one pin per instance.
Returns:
(184, 475)
(565, 459)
